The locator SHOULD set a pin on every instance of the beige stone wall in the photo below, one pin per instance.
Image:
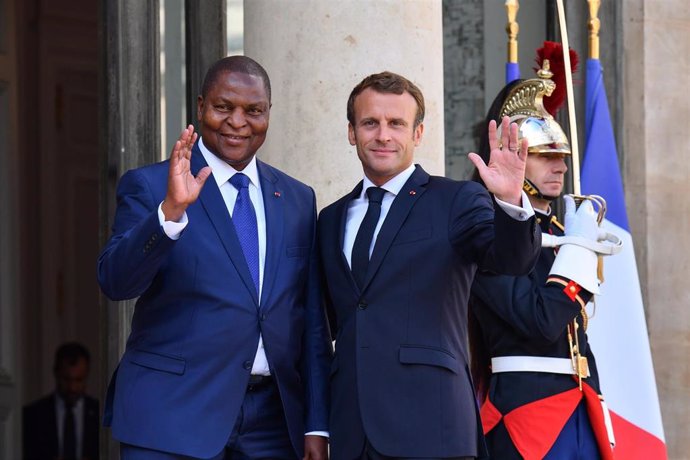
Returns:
(657, 175)
(315, 53)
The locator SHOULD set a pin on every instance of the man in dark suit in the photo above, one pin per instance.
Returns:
(229, 350)
(63, 424)
(399, 254)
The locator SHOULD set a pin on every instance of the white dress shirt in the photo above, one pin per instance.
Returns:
(357, 208)
(78, 412)
(222, 172)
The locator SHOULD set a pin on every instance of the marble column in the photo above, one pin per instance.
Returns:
(130, 134)
(657, 167)
(315, 53)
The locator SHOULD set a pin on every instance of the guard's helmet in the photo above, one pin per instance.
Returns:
(524, 104)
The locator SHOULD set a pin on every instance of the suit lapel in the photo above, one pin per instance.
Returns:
(400, 208)
(274, 208)
(341, 224)
(212, 202)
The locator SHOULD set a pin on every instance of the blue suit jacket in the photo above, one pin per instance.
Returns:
(401, 359)
(182, 379)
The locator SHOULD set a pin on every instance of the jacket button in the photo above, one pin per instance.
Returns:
(362, 305)
(263, 316)
(247, 365)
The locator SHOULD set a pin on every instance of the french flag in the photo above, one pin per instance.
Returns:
(617, 332)
(512, 71)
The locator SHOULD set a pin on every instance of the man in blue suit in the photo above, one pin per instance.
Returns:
(229, 350)
(399, 254)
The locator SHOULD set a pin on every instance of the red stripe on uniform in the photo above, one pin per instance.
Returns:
(490, 416)
(534, 427)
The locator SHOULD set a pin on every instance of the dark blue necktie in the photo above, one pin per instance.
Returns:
(69, 437)
(244, 218)
(360, 250)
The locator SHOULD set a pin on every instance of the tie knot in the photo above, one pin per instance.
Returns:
(239, 181)
(375, 194)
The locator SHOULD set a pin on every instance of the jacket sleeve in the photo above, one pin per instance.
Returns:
(317, 345)
(533, 309)
(496, 241)
(138, 246)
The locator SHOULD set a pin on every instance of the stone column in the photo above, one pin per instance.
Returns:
(315, 53)
(657, 167)
(130, 134)
(205, 37)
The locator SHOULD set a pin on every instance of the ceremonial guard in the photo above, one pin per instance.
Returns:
(535, 373)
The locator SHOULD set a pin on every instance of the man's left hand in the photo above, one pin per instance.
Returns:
(505, 173)
(315, 447)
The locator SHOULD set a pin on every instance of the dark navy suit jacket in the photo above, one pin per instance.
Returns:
(40, 430)
(182, 379)
(401, 359)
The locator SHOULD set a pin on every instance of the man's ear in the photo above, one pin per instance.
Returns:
(351, 134)
(417, 135)
(199, 106)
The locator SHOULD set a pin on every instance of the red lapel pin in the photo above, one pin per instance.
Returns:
(412, 193)
(277, 194)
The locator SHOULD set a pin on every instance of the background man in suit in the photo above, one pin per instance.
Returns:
(64, 424)
(229, 348)
(399, 254)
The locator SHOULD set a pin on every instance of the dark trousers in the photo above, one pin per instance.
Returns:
(260, 432)
(371, 454)
(576, 441)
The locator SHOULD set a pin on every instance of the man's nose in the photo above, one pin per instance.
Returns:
(559, 165)
(236, 118)
(384, 134)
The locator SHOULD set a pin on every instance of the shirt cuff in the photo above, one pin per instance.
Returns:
(516, 212)
(325, 434)
(172, 229)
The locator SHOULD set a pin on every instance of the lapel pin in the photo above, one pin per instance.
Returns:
(276, 194)
(412, 193)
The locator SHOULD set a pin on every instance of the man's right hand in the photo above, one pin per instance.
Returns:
(183, 187)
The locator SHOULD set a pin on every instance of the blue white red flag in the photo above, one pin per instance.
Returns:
(512, 71)
(617, 332)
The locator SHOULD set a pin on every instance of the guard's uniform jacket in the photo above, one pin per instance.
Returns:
(524, 412)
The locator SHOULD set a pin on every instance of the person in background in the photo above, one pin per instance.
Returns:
(64, 424)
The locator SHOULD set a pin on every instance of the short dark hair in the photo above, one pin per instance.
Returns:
(239, 64)
(391, 83)
(69, 353)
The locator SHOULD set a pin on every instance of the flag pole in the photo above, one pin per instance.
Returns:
(594, 25)
(512, 29)
(575, 152)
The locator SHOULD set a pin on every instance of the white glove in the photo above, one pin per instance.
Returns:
(575, 262)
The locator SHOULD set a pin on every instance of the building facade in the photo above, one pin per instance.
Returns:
(89, 89)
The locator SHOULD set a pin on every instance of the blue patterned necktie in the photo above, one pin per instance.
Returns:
(365, 234)
(244, 219)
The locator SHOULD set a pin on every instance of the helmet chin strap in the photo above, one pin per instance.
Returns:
(532, 190)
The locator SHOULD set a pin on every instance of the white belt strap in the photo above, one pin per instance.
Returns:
(532, 364)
